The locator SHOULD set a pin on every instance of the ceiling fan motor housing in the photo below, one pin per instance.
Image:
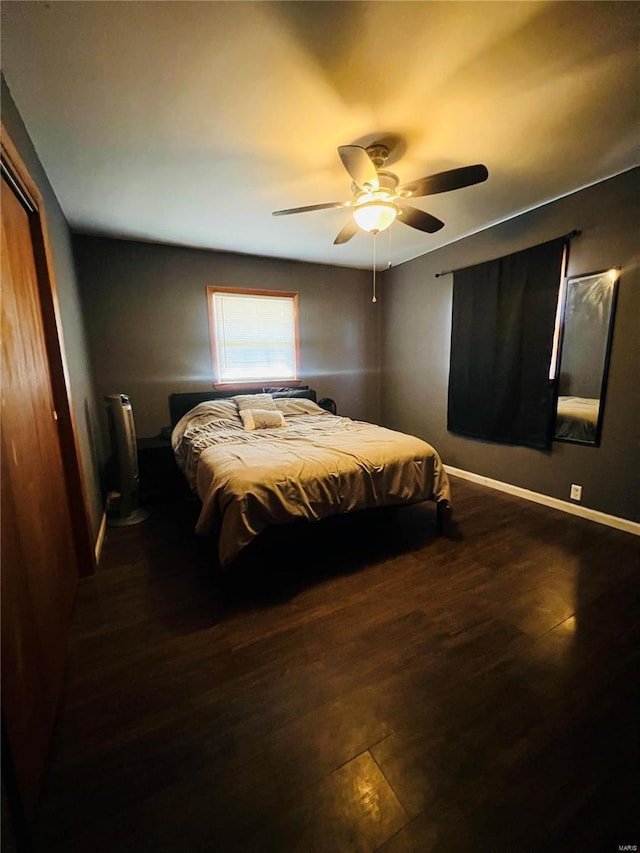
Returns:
(386, 189)
(388, 181)
(378, 154)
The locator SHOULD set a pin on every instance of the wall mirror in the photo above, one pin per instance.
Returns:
(585, 341)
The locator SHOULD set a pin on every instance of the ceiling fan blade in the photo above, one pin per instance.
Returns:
(309, 207)
(349, 231)
(419, 219)
(359, 165)
(444, 182)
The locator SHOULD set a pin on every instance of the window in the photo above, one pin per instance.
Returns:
(254, 335)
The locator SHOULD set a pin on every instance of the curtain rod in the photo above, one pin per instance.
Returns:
(568, 236)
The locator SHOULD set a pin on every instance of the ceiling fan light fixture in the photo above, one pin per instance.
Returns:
(375, 215)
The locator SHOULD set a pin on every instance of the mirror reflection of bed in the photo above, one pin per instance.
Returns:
(577, 418)
(587, 323)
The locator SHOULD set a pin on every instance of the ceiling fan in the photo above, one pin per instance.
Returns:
(377, 197)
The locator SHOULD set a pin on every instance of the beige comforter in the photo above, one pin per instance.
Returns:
(316, 466)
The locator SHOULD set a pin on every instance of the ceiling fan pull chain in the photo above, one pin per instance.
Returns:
(373, 298)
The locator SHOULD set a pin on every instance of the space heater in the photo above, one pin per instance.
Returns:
(124, 468)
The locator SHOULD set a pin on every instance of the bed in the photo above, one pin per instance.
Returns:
(577, 418)
(259, 460)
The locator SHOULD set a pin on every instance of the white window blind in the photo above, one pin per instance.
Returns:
(254, 336)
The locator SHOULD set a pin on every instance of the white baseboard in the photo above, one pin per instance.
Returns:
(573, 509)
(101, 534)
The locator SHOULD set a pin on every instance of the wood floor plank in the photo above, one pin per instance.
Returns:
(352, 809)
(360, 685)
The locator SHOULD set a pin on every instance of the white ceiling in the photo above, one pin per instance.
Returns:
(189, 123)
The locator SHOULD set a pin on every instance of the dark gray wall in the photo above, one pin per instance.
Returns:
(146, 314)
(416, 328)
(81, 383)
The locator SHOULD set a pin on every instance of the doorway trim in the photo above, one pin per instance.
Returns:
(17, 173)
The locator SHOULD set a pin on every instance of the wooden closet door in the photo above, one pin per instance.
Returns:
(39, 559)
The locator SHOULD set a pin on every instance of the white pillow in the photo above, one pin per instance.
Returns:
(262, 419)
(298, 406)
(254, 401)
(218, 409)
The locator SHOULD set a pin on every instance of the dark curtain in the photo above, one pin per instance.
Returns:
(501, 340)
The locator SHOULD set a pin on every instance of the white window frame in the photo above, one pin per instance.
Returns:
(221, 381)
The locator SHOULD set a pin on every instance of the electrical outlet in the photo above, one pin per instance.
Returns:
(576, 492)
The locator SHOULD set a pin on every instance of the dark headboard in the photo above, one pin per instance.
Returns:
(180, 404)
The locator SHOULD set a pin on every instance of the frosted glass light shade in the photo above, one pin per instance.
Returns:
(374, 215)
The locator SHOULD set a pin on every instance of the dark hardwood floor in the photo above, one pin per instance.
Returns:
(360, 685)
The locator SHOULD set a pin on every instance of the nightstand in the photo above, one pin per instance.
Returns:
(160, 479)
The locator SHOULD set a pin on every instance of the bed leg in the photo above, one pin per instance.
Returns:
(443, 514)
